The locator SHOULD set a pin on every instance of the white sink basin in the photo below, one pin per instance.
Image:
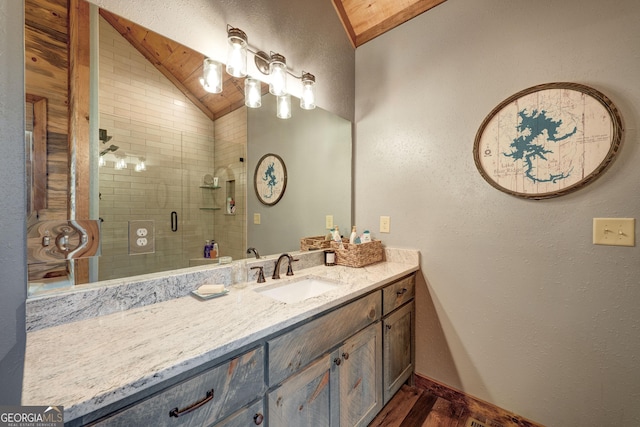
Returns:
(298, 290)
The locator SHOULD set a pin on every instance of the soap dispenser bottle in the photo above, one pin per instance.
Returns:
(207, 249)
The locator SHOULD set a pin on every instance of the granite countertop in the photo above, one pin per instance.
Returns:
(89, 364)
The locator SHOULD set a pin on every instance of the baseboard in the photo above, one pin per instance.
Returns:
(485, 412)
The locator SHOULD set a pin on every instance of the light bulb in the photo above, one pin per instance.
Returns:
(308, 98)
(236, 52)
(284, 107)
(252, 93)
(278, 72)
(211, 79)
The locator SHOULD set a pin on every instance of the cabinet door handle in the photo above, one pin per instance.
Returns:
(175, 412)
(388, 326)
(401, 292)
(345, 355)
(337, 361)
(258, 418)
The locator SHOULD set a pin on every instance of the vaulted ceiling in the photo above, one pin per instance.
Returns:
(365, 20)
(362, 20)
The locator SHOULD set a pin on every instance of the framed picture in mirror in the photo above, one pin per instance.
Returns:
(270, 179)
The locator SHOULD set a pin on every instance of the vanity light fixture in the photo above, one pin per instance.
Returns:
(236, 52)
(273, 65)
(308, 98)
(211, 79)
(283, 110)
(252, 93)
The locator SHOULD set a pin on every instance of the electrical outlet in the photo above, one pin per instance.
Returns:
(328, 222)
(256, 218)
(141, 237)
(614, 231)
(385, 224)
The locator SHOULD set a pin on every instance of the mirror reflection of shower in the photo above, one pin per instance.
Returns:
(104, 138)
(120, 161)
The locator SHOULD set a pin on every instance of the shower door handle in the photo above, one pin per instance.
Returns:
(174, 221)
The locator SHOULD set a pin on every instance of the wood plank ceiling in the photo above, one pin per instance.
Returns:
(365, 20)
(362, 20)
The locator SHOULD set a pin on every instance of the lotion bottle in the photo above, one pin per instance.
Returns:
(352, 237)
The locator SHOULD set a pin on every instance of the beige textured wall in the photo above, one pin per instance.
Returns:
(515, 305)
(148, 117)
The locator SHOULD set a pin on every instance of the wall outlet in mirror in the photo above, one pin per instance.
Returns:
(141, 237)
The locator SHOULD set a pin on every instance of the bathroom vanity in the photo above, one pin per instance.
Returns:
(241, 359)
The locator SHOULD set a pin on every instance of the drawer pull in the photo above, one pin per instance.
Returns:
(388, 326)
(345, 355)
(402, 292)
(258, 418)
(337, 361)
(175, 412)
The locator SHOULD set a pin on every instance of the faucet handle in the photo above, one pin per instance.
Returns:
(289, 268)
(261, 278)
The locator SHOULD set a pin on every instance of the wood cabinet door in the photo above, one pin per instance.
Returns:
(360, 372)
(398, 349)
(306, 398)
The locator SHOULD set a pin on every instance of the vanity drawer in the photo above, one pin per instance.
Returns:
(397, 293)
(295, 349)
(213, 395)
(250, 416)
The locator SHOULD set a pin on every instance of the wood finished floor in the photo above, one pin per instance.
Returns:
(414, 407)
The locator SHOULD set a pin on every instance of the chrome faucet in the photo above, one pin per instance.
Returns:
(255, 252)
(276, 271)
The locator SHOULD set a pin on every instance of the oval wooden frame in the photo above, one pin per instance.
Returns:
(259, 171)
(615, 142)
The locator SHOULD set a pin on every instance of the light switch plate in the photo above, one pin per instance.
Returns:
(256, 218)
(385, 224)
(328, 222)
(614, 231)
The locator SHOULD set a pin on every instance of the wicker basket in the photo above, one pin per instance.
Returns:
(358, 255)
(314, 243)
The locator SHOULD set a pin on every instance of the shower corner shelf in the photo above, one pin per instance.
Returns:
(209, 209)
(210, 187)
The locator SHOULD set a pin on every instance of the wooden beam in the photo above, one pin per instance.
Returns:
(346, 23)
(396, 19)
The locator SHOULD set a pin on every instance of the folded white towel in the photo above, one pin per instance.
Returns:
(210, 289)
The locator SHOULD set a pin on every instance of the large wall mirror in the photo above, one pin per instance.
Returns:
(163, 158)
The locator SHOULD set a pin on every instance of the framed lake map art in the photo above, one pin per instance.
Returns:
(548, 140)
(270, 179)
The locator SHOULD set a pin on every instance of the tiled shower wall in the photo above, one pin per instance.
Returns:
(148, 117)
(230, 230)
